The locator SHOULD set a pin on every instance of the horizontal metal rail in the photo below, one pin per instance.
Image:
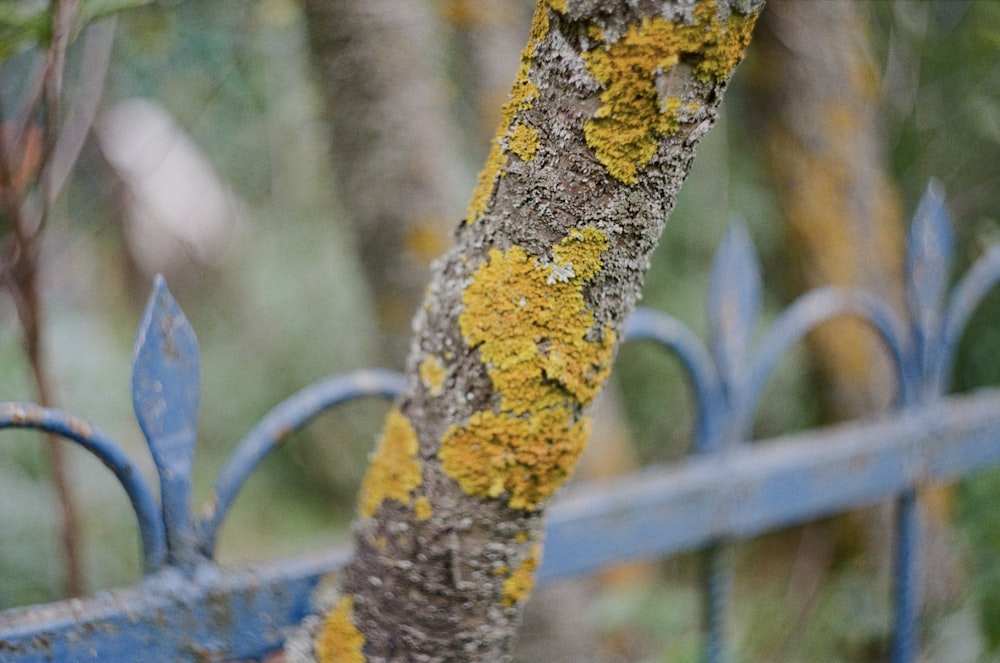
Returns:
(737, 494)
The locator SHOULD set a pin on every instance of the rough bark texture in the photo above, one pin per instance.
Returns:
(817, 96)
(393, 147)
(520, 323)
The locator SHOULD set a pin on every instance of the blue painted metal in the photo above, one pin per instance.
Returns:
(759, 488)
(278, 424)
(188, 609)
(151, 532)
(216, 616)
(166, 391)
(648, 325)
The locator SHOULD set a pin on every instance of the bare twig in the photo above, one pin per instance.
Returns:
(20, 252)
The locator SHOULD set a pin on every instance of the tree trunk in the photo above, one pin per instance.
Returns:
(392, 144)
(520, 324)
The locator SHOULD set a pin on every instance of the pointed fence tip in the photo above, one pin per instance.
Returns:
(734, 300)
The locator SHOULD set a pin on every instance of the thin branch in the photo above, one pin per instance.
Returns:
(20, 253)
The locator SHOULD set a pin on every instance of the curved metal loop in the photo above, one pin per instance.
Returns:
(982, 277)
(57, 422)
(288, 416)
(806, 313)
(710, 404)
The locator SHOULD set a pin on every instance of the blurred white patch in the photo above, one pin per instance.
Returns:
(177, 207)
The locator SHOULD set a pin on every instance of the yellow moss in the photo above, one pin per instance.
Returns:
(521, 582)
(524, 458)
(422, 507)
(626, 129)
(393, 470)
(511, 136)
(523, 141)
(432, 374)
(340, 641)
(533, 330)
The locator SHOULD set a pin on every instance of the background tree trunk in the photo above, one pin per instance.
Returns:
(393, 145)
(817, 97)
(817, 102)
(520, 323)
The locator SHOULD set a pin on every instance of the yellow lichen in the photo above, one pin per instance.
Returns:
(339, 640)
(524, 458)
(432, 374)
(534, 332)
(521, 582)
(626, 129)
(394, 469)
(558, 5)
(422, 508)
(532, 326)
(511, 136)
(725, 42)
(523, 141)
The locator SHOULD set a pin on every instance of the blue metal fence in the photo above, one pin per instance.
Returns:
(188, 609)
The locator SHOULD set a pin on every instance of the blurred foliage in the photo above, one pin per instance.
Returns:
(286, 305)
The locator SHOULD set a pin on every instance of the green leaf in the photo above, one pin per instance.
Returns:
(23, 25)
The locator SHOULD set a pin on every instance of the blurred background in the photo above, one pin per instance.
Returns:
(292, 167)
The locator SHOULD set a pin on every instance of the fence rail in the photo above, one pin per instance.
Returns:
(189, 609)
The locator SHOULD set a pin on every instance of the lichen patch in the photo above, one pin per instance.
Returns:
(339, 640)
(525, 459)
(394, 470)
(432, 374)
(513, 136)
(519, 585)
(546, 359)
(533, 331)
(626, 129)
